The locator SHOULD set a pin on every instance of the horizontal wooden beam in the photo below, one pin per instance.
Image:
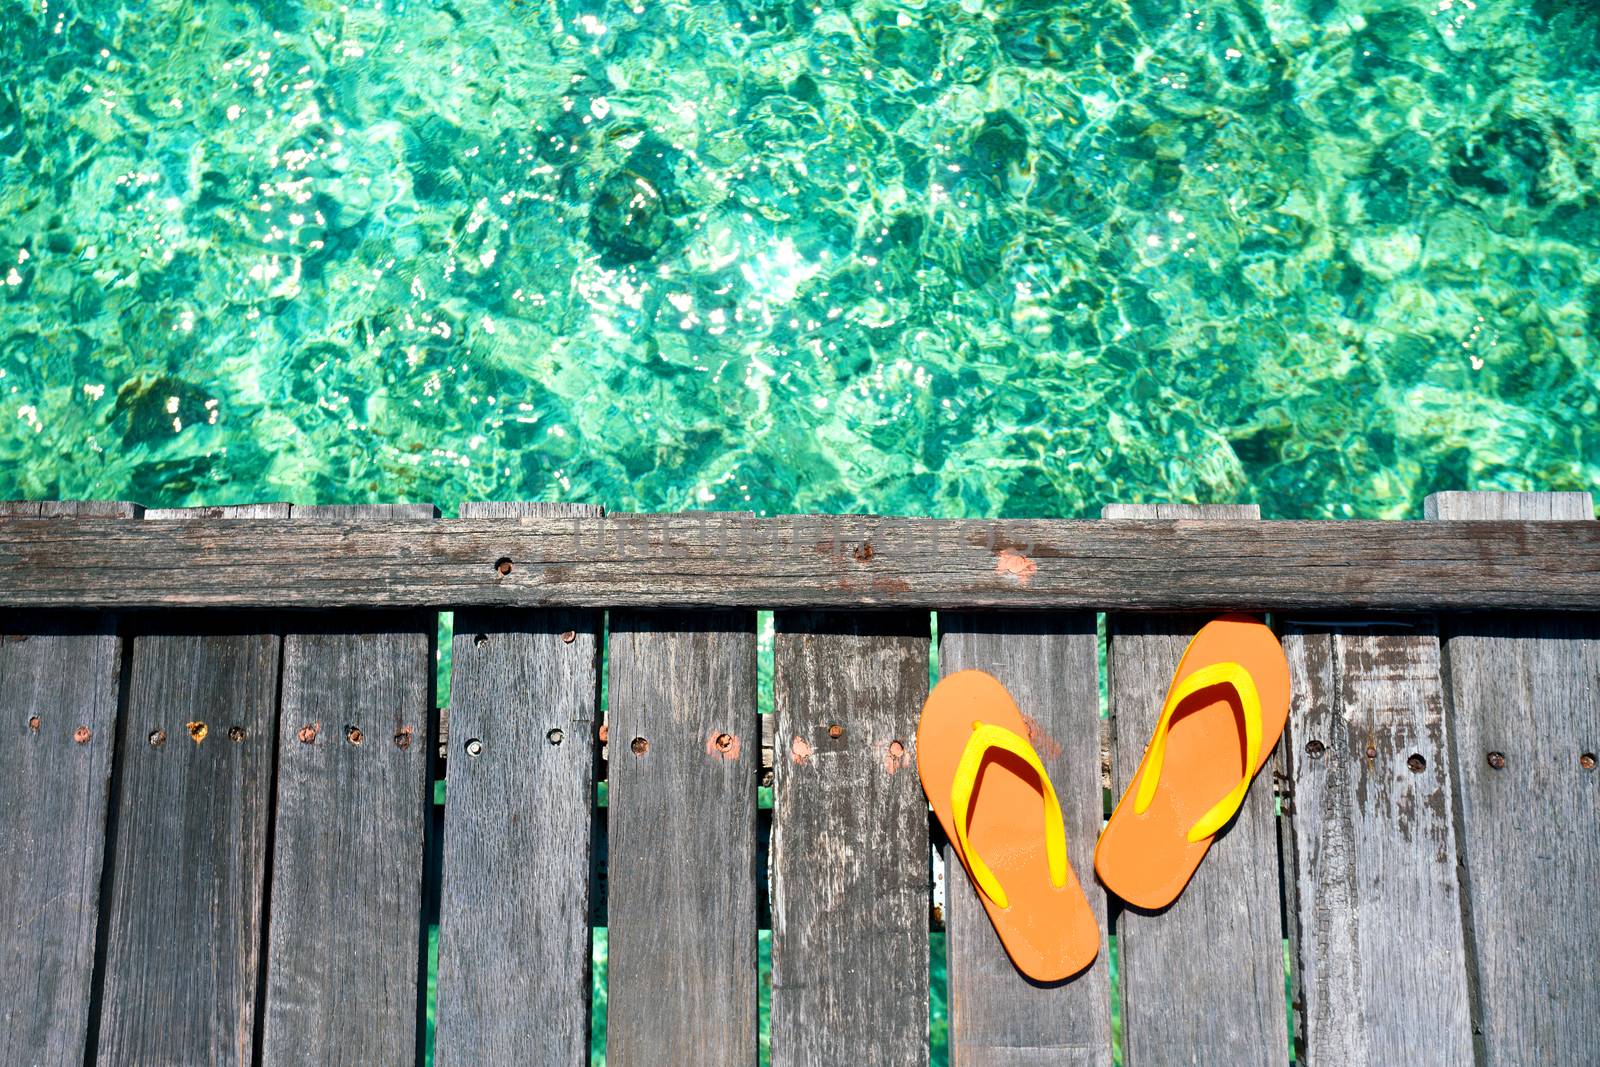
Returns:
(706, 559)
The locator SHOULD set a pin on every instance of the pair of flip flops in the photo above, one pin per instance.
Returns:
(1224, 712)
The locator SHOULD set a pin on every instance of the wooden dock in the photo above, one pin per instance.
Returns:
(219, 743)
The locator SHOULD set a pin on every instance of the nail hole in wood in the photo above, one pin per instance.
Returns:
(236, 734)
(1315, 749)
(33, 723)
(354, 735)
(1497, 760)
(402, 738)
(481, 640)
(639, 746)
(1416, 763)
(158, 738)
(724, 742)
(503, 565)
(569, 636)
(555, 736)
(474, 747)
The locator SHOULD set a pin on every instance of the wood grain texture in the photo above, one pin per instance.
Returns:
(1382, 967)
(682, 813)
(514, 908)
(1202, 981)
(59, 675)
(849, 841)
(1509, 507)
(345, 947)
(736, 560)
(63, 670)
(184, 927)
(1526, 693)
(1049, 663)
(70, 509)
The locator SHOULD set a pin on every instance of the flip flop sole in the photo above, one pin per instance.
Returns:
(1049, 933)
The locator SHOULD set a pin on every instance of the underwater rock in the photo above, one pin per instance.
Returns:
(150, 409)
(1510, 157)
(629, 219)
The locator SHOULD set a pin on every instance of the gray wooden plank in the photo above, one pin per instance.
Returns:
(1382, 969)
(1049, 664)
(849, 841)
(59, 678)
(807, 561)
(682, 730)
(1525, 704)
(1202, 981)
(70, 509)
(345, 938)
(183, 948)
(514, 907)
(1504, 507)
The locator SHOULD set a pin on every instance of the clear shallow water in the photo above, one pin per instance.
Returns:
(952, 258)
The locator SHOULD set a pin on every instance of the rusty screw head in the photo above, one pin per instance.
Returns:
(474, 747)
(836, 731)
(724, 742)
(555, 736)
(33, 723)
(402, 738)
(1586, 761)
(354, 735)
(503, 565)
(82, 734)
(158, 738)
(639, 746)
(569, 636)
(236, 734)
(1497, 760)
(1372, 752)
(1416, 763)
(308, 733)
(1315, 749)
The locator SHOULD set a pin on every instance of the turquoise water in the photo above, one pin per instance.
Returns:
(967, 258)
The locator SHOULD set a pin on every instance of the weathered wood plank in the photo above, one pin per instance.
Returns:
(682, 811)
(850, 841)
(345, 941)
(184, 926)
(1381, 959)
(60, 675)
(70, 509)
(1525, 704)
(1202, 981)
(1049, 663)
(801, 561)
(514, 910)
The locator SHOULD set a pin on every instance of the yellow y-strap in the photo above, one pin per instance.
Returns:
(984, 737)
(1229, 674)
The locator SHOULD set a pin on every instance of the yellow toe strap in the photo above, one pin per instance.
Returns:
(1215, 674)
(986, 736)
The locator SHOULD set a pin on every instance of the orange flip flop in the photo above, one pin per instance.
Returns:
(1224, 712)
(997, 806)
